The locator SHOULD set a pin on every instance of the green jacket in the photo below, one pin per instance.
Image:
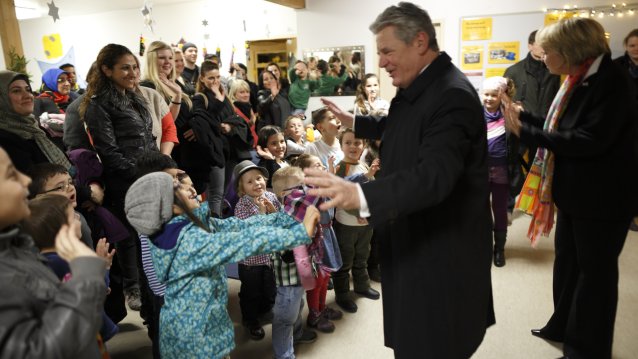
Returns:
(300, 90)
(327, 84)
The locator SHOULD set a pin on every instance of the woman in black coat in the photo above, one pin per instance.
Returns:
(120, 124)
(589, 164)
(230, 130)
(629, 61)
(273, 104)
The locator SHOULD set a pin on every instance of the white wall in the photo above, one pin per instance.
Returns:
(89, 33)
(324, 23)
(343, 23)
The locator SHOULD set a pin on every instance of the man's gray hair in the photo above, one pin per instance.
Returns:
(408, 20)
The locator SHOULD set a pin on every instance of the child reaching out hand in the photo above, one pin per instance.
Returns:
(189, 251)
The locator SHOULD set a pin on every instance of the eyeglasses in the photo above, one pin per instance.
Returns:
(61, 80)
(65, 187)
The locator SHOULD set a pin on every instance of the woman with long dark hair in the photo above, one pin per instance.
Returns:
(120, 124)
(233, 131)
(274, 107)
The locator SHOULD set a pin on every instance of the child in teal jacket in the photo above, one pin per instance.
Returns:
(190, 249)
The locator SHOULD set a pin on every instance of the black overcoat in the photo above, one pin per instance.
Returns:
(430, 206)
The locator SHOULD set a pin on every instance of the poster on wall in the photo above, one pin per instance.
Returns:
(495, 71)
(553, 17)
(476, 29)
(476, 78)
(502, 52)
(472, 57)
(52, 45)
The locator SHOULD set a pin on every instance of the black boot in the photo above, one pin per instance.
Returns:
(499, 248)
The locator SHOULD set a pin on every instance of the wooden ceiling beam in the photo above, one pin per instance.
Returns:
(295, 4)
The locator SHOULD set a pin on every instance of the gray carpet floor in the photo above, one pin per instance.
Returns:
(523, 300)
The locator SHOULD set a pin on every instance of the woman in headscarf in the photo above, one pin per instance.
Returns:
(56, 86)
(22, 138)
(50, 106)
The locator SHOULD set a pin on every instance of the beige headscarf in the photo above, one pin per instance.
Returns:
(26, 127)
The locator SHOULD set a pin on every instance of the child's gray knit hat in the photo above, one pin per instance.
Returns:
(149, 202)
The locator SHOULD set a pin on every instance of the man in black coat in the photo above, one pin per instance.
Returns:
(430, 202)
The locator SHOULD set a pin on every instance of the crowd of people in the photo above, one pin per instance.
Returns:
(139, 189)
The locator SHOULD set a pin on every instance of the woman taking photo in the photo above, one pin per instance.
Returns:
(588, 168)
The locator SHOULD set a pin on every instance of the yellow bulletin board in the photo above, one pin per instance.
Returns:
(501, 40)
(476, 29)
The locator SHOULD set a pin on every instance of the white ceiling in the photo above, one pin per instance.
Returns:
(26, 9)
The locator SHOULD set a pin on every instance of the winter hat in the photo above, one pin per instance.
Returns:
(50, 78)
(188, 45)
(149, 202)
(495, 83)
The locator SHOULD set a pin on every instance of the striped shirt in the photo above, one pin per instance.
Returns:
(147, 264)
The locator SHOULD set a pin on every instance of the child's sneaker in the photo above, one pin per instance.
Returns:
(255, 330)
(308, 336)
(133, 299)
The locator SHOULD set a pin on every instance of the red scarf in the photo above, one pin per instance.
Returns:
(250, 125)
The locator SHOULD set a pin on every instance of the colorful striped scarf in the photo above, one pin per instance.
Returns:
(536, 195)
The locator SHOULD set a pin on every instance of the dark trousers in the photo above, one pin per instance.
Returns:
(354, 244)
(499, 192)
(127, 251)
(154, 327)
(257, 292)
(373, 258)
(586, 284)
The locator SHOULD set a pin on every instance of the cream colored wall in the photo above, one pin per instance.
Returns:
(89, 33)
(330, 23)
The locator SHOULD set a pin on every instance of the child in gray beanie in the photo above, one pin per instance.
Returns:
(190, 249)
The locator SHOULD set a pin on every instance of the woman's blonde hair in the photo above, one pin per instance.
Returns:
(576, 39)
(235, 86)
(151, 71)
